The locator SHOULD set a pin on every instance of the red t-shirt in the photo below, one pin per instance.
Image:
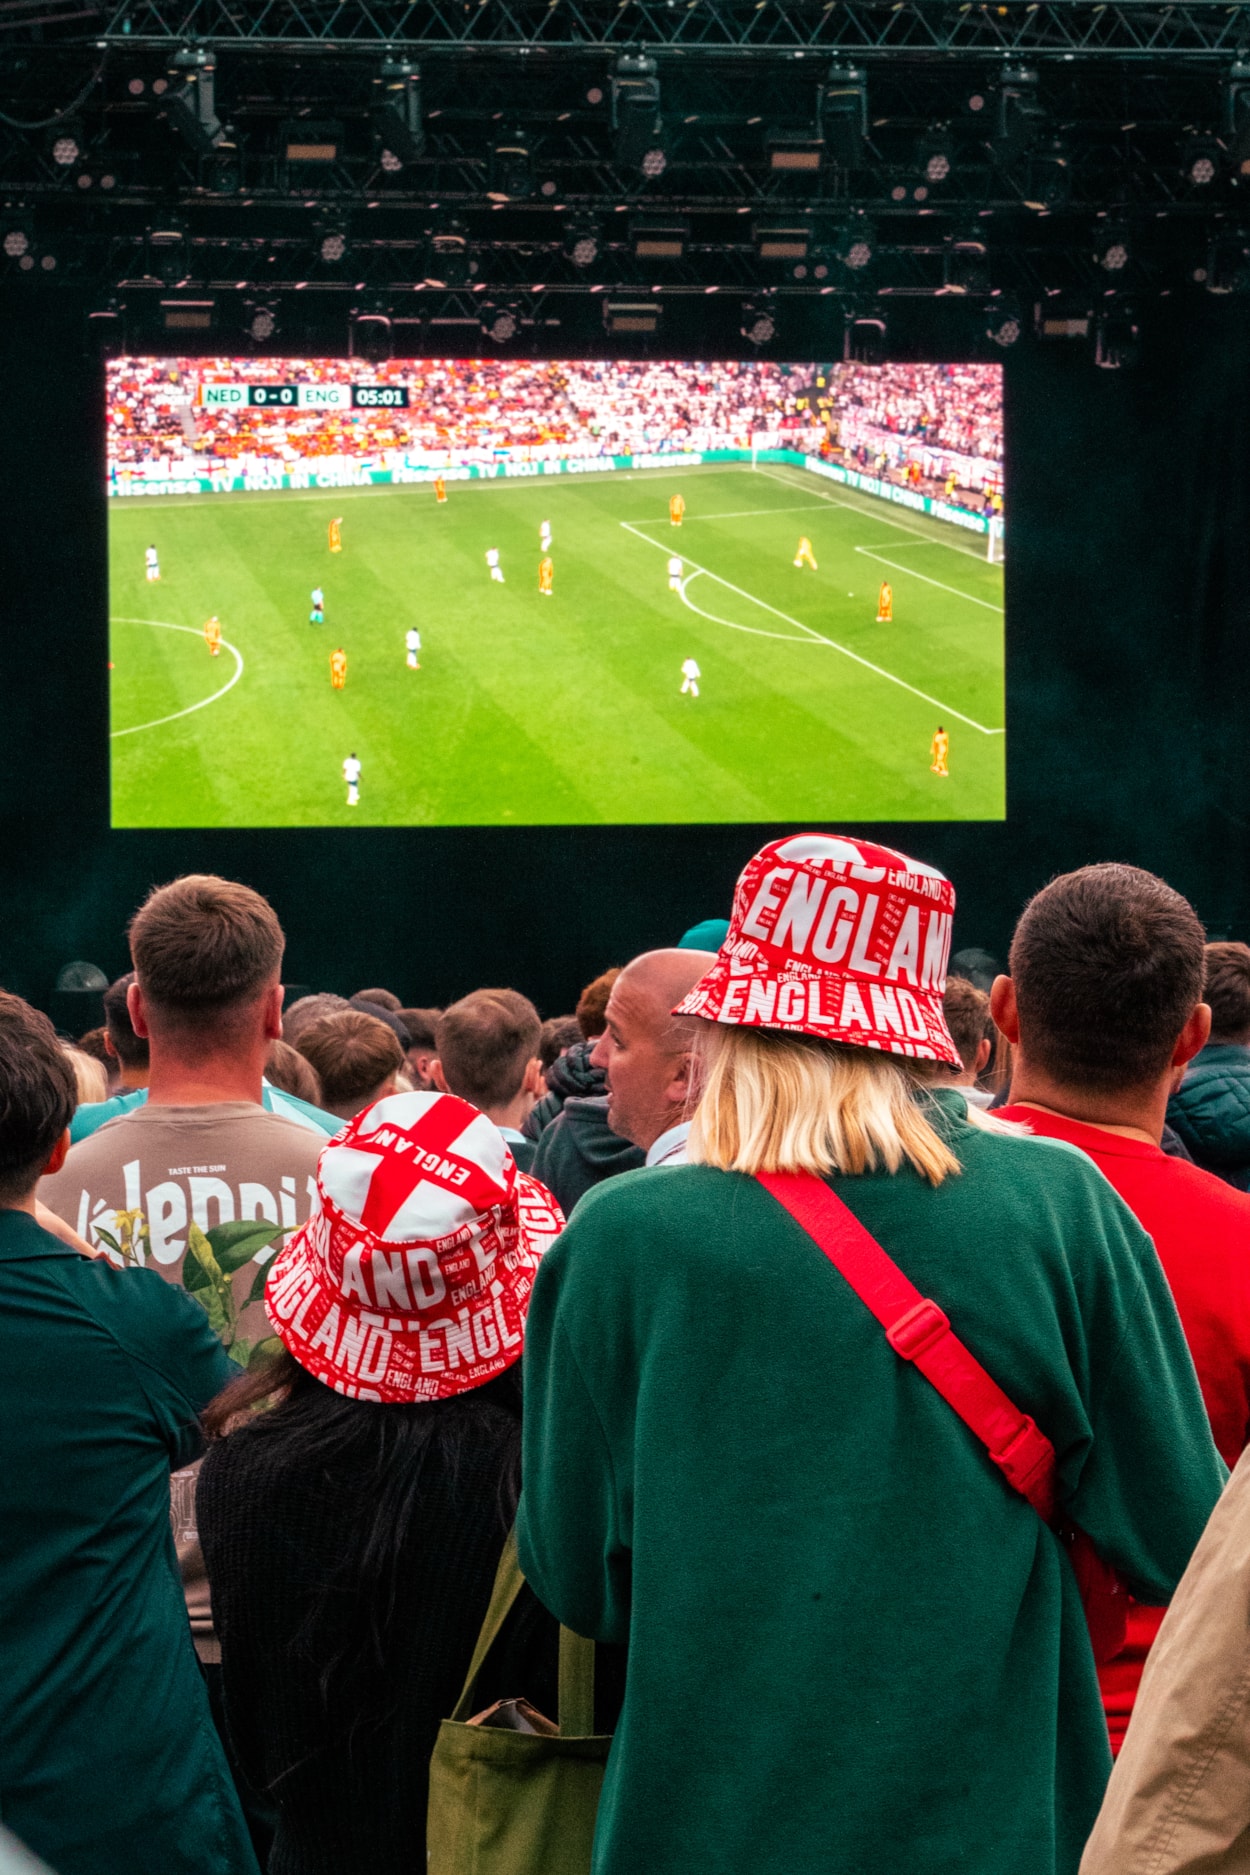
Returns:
(1201, 1230)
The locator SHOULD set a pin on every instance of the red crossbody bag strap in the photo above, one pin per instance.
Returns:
(919, 1332)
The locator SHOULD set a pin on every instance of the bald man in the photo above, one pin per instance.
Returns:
(646, 1052)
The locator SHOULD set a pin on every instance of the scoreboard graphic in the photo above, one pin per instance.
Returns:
(211, 395)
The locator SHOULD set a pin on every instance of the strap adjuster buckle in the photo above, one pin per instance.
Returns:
(914, 1333)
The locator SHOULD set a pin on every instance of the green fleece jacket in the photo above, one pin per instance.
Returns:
(853, 1649)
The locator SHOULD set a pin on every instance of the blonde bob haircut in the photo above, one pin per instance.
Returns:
(780, 1102)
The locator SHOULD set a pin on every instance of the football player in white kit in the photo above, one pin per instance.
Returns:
(151, 562)
(674, 573)
(492, 561)
(544, 536)
(318, 614)
(690, 675)
(351, 775)
(412, 638)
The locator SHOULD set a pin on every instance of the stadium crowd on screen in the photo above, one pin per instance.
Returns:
(851, 1340)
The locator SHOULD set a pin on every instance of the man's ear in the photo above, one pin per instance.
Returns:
(273, 1012)
(681, 1090)
(137, 1013)
(56, 1159)
(1003, 1009)
(1194, 1036)
(435, 1071)
(535, 1081)
(985, 1048)
(109, 1048)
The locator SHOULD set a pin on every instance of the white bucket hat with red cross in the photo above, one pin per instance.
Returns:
(411, 1279)
(839, 938)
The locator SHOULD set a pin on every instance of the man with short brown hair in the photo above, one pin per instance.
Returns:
(488, 1054)
(422, 1027)
(356, 1058)
(967, 1012)
(1103, 1008)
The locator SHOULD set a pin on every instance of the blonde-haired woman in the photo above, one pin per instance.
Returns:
(854, 1648)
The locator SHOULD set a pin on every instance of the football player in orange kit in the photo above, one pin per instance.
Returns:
(338, 668)
(939, 749)
(805, 556)
(440, 489)
(885, 604)
(546, 570)
(676, 509)
(336, 534)
(212, 635)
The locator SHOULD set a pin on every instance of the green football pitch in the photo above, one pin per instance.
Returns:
(553, 710)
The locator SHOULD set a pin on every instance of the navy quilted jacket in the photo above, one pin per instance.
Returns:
(1211, 1111)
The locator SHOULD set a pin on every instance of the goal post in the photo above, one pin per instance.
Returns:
(994, 540)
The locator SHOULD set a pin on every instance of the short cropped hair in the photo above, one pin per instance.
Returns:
(485, 1042)
(385, 999)
(1228, 991)
(967, 1011)
(1108, 966)
(558, 1033)
(421, 1024)
(351, 1053)
(309, 1009)
(592, 1004)
(38, 1095)
(286, 1068)
(132, 1049)
(203, 945)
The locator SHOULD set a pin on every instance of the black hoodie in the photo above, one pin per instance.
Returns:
(570, 1077)
(579, 1149)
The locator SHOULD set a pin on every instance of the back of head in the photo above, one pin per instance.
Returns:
(967, 1012)
(1107, 965)
(352, 1054)
(558, 1034)
(1228, 991)
(131, 1049)
(307, 1010)
(38, 1095)
(422, 1026)
(382, 1013)
(286, 1068)
(202, 948)
(592, 1005)
(485, 1042)
(90, 1076)
(384, 999)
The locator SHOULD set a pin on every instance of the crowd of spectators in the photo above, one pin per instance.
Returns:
(317, 1317)
(464, 409)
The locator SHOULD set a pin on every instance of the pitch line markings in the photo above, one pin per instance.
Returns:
(955, 591)
(887, 520)
(196, 632)
(813, 636)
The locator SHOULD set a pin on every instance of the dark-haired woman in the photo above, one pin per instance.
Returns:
(353, 1528)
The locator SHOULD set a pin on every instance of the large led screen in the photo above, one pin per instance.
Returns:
(467, 592)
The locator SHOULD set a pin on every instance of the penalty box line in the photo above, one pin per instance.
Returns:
(853, 507)
(814, 636)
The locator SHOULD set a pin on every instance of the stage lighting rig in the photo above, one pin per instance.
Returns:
(191, 105)
(1202, 158)
(638, 316)
(854, 244)
(863, 342)
(261, 321)
(66, 145)
(935, 159)
(638, 127)
(1048, 183)
(398, 125)
(511, 171)
(1018, 112)
(654, 239)
(794, 155)
(448, 262)
(305, 143)
(759, 324)
(1116, 340)
(331, 238)
(17, 238)
(582, 242)
(965, 263)
(1004, 324)
(168, 256)
(1237, 117)
(777, 240)
(370, 335)
(844, 116)
(1227, 267)
(500, 324)
(1112, 248)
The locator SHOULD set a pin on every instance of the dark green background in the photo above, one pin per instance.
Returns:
(1128, 637)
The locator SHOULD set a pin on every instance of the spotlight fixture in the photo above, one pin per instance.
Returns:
(1201, 161)
(499, 323)
(305, 143)
(1018, 113)
(636, 121)
(167, 250)
(783, 240)
(659, 240)
(370, 335)
(511, 173)
(759, 326)
(1048, 182)
(1004, 325)
(853, 244)
(222, 172)
(65, 144)
(843, 109)
(581, 242)
(331, 238)
(1237, 117)
(863, 342)
(187, 315)
(190, 104)
(17, 238)
(935, 158)
(448, 262)
(1227, 267)
(640, 316)
(794, 155)
(965, 263)
(398, 129)
(1115, 340)
(1111, 248)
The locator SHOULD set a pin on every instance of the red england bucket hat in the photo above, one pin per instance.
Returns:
(411, 1279)
(838, 938)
